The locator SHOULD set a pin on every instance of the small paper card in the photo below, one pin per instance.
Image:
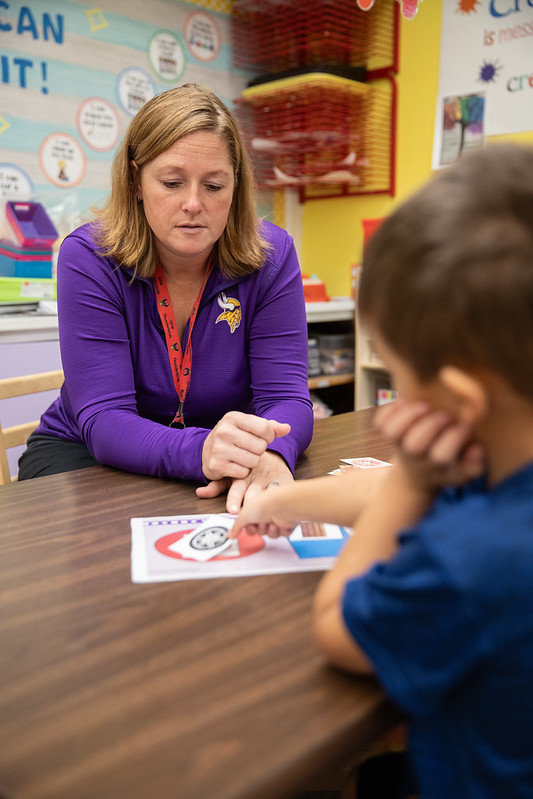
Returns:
(205, 541)
(364, 463)
(347, 464)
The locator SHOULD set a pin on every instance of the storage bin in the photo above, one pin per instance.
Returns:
(336, 353)
(313, 369)
(13, 267)
(314, 289)
(31, 224)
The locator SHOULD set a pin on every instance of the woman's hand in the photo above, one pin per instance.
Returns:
(270, 472)
(235, 458)
(237, 443)
(263, 513)
(432, 447)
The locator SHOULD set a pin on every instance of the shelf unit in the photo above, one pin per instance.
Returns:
(327, 381)
(332, 311)
(370, 372)
(338, 389)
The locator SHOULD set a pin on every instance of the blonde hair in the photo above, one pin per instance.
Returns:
(121, 229)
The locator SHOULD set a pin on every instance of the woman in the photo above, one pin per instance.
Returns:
(181, 318)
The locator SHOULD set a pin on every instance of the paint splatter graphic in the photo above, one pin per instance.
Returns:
(409, 8)
(488, 72)
(468, 6)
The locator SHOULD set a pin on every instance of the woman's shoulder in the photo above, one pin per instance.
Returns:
(80, 254)
(275, 236)
(281, 253)
(85, 233)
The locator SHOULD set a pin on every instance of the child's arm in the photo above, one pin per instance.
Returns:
(396, 505)
(433, 444)
(423, 438)
(337, 500)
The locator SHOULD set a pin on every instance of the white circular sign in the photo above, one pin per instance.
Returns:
(62, 160)
(14, 182)
(98, 123)
(202, 36)
(134, 88)
(166, 56)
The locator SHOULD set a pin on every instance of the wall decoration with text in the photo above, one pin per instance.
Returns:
(74, 75)
(485, 76)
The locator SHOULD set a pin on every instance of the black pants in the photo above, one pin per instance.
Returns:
(50, 455)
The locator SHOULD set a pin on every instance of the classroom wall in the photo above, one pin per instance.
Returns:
(72, 76)
(46, 76)
(332, 234)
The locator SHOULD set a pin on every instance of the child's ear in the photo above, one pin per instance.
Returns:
(468, 393)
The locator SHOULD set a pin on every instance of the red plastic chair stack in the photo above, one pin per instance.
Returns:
(271, 36)
(306, 131)
(321, 116)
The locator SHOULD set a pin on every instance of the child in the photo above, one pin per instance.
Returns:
(433, 592)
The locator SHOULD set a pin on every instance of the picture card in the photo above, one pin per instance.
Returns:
(364, 463)
(347, 464)
(165, 548)
(206, 541)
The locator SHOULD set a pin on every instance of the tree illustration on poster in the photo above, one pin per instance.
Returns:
(462, 125)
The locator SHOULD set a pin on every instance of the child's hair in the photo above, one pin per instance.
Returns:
(448, 277)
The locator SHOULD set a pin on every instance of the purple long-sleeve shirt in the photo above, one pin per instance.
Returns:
(119, 398)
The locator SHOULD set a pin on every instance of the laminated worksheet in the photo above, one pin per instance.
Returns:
(165, 548)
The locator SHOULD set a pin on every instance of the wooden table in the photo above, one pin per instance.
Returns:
(208, 689)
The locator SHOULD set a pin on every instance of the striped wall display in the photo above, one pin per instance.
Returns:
(224, 6)
(73, 75)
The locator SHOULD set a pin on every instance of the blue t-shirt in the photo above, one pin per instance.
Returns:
(448, 624)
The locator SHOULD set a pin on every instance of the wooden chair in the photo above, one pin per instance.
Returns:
(18, 434)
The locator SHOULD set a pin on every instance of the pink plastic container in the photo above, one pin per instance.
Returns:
(31, 224)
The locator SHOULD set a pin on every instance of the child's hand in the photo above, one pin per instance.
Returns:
(260, 515)
(434, 449)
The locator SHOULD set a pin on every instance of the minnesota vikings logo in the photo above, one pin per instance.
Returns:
(231, 311)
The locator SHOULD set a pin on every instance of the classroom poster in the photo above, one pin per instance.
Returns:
(485, 74)
(74, 75)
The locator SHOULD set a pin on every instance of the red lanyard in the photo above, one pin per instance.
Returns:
(180, 360)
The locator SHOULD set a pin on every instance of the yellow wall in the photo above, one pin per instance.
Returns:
(332, 234)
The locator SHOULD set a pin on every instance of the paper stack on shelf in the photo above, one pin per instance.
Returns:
(23, 292)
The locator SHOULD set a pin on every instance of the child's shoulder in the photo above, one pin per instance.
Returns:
(512, 494)
(476, 534)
